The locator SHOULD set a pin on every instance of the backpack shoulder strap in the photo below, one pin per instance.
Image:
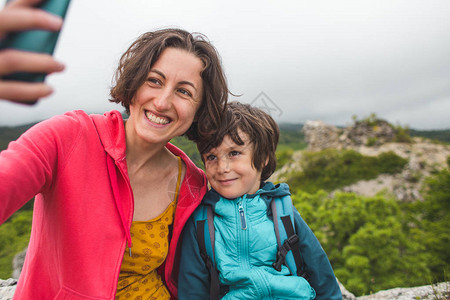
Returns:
(204, 222)
(288, 241)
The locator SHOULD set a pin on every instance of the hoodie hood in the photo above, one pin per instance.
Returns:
(111, 131)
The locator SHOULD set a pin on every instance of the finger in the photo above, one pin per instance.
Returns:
(16, 3)
(23, 92)
(20, 19)
(21, 61)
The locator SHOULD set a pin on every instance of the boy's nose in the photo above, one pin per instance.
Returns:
(224, 165)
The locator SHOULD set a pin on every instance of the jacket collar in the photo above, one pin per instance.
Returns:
(267, 191)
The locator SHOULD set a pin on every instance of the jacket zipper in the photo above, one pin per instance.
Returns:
(242, 215)
(243, 234)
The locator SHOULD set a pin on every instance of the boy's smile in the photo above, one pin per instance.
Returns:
(230, 170)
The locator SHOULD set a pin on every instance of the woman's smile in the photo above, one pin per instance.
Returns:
(160, 120)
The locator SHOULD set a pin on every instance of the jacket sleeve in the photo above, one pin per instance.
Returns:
(28, 165)
(316, 262)
(193, 278)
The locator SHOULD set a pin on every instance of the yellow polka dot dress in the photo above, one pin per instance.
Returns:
(138, 277)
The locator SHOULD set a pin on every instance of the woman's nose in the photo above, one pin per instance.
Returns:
(163, 101)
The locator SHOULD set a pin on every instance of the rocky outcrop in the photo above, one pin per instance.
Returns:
(440, 291)
(320, 136)
(7, 288)
(423, 157)
(18, 263)
(365, 133)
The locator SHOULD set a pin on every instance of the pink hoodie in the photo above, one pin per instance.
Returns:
(83, 210)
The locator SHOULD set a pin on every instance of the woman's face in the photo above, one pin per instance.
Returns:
(165, 105)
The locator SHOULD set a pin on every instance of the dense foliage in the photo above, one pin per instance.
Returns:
(14, 236)
(330, 169)
(377, 243)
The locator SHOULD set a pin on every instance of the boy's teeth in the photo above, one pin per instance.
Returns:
(155, 119)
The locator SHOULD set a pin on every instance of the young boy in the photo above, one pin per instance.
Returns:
(237, 162)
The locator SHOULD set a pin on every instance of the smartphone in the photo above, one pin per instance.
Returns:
(35, 41)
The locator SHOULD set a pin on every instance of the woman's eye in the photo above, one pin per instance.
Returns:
(154, 81)
(185, 92)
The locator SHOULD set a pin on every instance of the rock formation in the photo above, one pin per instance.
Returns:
(371, 139)
(18, 263)
(320, 136)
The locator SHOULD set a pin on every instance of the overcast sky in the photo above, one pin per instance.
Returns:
(302, 60)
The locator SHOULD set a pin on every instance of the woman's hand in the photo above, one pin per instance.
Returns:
(20, 15)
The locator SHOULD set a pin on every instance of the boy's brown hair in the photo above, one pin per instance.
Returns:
(261, 128)
(137, 61)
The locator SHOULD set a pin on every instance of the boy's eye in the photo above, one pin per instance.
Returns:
(234, 153)
(210, 157)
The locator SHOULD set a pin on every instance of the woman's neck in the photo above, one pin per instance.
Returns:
(141, 154)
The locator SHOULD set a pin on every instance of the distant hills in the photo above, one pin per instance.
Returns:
(437, 135)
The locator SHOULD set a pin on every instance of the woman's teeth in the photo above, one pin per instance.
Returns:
(158, 120)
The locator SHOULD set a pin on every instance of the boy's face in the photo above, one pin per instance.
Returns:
(229, 168)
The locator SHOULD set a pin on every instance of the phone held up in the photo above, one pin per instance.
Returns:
(35, 41)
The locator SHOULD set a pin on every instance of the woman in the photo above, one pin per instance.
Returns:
(113, 195)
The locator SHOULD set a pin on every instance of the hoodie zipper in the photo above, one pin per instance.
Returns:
(130, 217)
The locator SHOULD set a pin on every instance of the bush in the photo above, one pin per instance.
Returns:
(402, 135)
(390, 163)
(330, 169)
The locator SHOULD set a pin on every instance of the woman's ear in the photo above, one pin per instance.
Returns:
(267, 161)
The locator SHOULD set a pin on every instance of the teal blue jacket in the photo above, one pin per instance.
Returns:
(244, 257)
